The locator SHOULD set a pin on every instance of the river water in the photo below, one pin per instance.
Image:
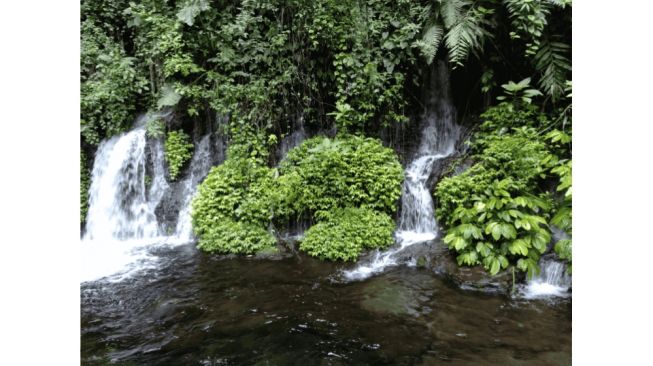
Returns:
(198, 309)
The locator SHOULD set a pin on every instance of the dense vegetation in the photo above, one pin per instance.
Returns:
(356, 70)
(499, 211)
(178, 150)
(330, 181)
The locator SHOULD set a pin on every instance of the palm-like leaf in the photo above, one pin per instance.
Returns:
(552, 62)
(468, 35)
(430, 43)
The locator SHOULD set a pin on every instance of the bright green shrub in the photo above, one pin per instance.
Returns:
(500, 227)
(493, 213)
(235, 204)
(521, 155)
(321, 176)
(342, 233)
(227, 194)
(503, 118)
(345, 172)
(178, 150)
(229, 236)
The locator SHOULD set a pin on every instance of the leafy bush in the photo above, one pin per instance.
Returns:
(229, 236)
(235, 204)
(342, 233)
(499, 228)
(178, 150)
(225, 191)
(345, 172)
(321, 176)
(502, 118)
(493, 212)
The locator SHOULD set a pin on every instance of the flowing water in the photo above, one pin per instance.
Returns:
(553, 280)
(149, 297)
(199, 167)
(198, 309)
(122, 227)
(417, 222)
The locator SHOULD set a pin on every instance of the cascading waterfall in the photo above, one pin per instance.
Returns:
(417, 222)
(553, 280)
(121, 224)
(118, 204)
(199, 167)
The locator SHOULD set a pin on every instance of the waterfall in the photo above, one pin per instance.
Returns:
(439, 135)
(199, 167)
(118, 204)
(553, 280)
(122, 224)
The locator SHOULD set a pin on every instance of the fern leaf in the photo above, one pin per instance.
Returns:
(431, 42)
(553, 65)
(452, 11)
(464, 38)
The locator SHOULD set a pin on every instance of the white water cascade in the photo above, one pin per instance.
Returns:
(122, 226)
(553, 280)
(439, 135)
(199, 167)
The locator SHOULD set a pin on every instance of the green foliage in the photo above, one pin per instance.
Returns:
(342, 233)
(519, 92)
(562, 218)
(345, 172)
(529, 17)
(178, 150)
(325, 177)
(84, 185)
(155, 128)
(235, 203)
(110, 84)
(494, 214)
(228, 236)
(553, 64)
(504, 117)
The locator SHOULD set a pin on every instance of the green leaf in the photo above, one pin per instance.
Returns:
(459, 243)
(518, 247)
(169, 97)
(495, 266)
(192, 9)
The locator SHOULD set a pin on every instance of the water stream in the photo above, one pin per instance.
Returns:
(417, 223)
(553, 280)
(122, 228)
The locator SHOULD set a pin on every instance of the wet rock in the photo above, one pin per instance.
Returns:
(273, 253)
(443, 262)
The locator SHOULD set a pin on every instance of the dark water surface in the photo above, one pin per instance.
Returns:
(196, 309)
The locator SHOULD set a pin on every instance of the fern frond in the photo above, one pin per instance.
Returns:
(553, 64)
(452, 11)
(466, 37)
(430, 42)
(560, 3)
